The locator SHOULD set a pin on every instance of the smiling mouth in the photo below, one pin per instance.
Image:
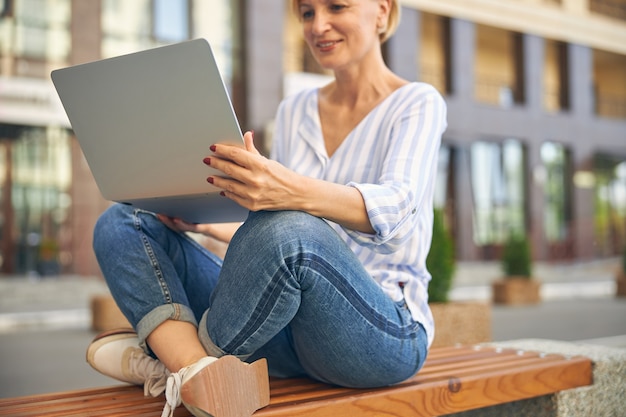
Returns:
(326, 45)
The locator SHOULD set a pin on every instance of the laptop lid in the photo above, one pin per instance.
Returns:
(145, 121)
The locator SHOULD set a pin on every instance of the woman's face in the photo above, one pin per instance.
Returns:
(342, 32)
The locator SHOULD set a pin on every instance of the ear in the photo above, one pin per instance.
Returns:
(384, 8)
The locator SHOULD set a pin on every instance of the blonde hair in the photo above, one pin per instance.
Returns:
(386, 32)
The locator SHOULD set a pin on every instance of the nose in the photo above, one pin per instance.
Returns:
(320, 23)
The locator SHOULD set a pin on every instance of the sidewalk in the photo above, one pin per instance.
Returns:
(28, 303)
(63, 302)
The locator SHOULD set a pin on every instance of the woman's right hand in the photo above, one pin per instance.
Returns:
(219, 231)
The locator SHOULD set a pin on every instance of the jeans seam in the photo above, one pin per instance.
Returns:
(379, 321)
(153, 260)
(372, 316)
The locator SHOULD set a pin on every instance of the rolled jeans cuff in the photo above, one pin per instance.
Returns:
(156, 317)
(210, 347)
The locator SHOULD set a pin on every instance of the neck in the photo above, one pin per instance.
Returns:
(365, 84)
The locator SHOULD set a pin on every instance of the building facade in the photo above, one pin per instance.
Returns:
(536, 93)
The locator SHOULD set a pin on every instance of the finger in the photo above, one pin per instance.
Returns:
(248, 140)
(240, 156)
(243, 202)
(168, 221)
(229, 168)
(229, 185)
(177, 224)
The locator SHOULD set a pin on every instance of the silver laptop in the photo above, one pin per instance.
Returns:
(145, 121)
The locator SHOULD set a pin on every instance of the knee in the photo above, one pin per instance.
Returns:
(283, 225)
(281, 234)
(107, 228)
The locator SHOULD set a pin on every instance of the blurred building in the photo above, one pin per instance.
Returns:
(536, 92)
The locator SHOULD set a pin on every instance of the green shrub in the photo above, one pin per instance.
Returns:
(440, 261)
(516, 260)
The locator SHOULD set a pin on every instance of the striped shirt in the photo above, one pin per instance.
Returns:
(391, 158)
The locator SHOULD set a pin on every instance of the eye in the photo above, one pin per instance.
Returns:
(306, 12)
(337, 7)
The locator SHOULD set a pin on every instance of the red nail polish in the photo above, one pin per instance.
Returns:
(210, 180)
(212, 148)
(223, 194)
(207, 161)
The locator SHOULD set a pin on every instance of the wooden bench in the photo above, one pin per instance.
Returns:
(453, 379)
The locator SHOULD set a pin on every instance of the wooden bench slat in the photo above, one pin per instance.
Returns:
(444, 396)
(480, 367)
(453, 379)
(76, 404)
(105, 391)
(439, 366)
(463, 373)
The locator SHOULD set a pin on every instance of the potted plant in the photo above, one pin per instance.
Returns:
(440, 261)
(620, 280)
(517, 286)
(455, 322)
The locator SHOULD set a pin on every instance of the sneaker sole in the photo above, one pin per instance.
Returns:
(227, 387)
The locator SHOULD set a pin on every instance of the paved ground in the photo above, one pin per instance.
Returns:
(44, 325)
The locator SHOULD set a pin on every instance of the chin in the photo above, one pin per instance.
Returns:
(329, 64)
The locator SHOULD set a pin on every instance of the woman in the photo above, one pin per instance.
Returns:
(327, 277)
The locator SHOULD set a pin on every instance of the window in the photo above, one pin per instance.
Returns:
(610, 203)
(498, 187)
(37, 170)
(556, 77)
(499, 67)
(445, 186)
(130, 26)
(609, 80)
(126, 27)
(557, 193)
(171, 20)
(42, 29)
(435, 52)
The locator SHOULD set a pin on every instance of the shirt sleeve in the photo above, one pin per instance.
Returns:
(405, 187)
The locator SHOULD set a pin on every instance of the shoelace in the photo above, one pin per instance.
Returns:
(172, 392)
(151, 370)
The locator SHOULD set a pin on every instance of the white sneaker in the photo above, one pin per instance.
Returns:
(224, 387)
(117, 354)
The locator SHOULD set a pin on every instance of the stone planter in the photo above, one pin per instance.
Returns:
(516, 291)
(620, 284)
(106, 315)
(461, 323)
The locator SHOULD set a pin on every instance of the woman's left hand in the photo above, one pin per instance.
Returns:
(251, 180)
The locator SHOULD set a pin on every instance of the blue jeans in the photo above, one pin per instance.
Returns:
(289, 290)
